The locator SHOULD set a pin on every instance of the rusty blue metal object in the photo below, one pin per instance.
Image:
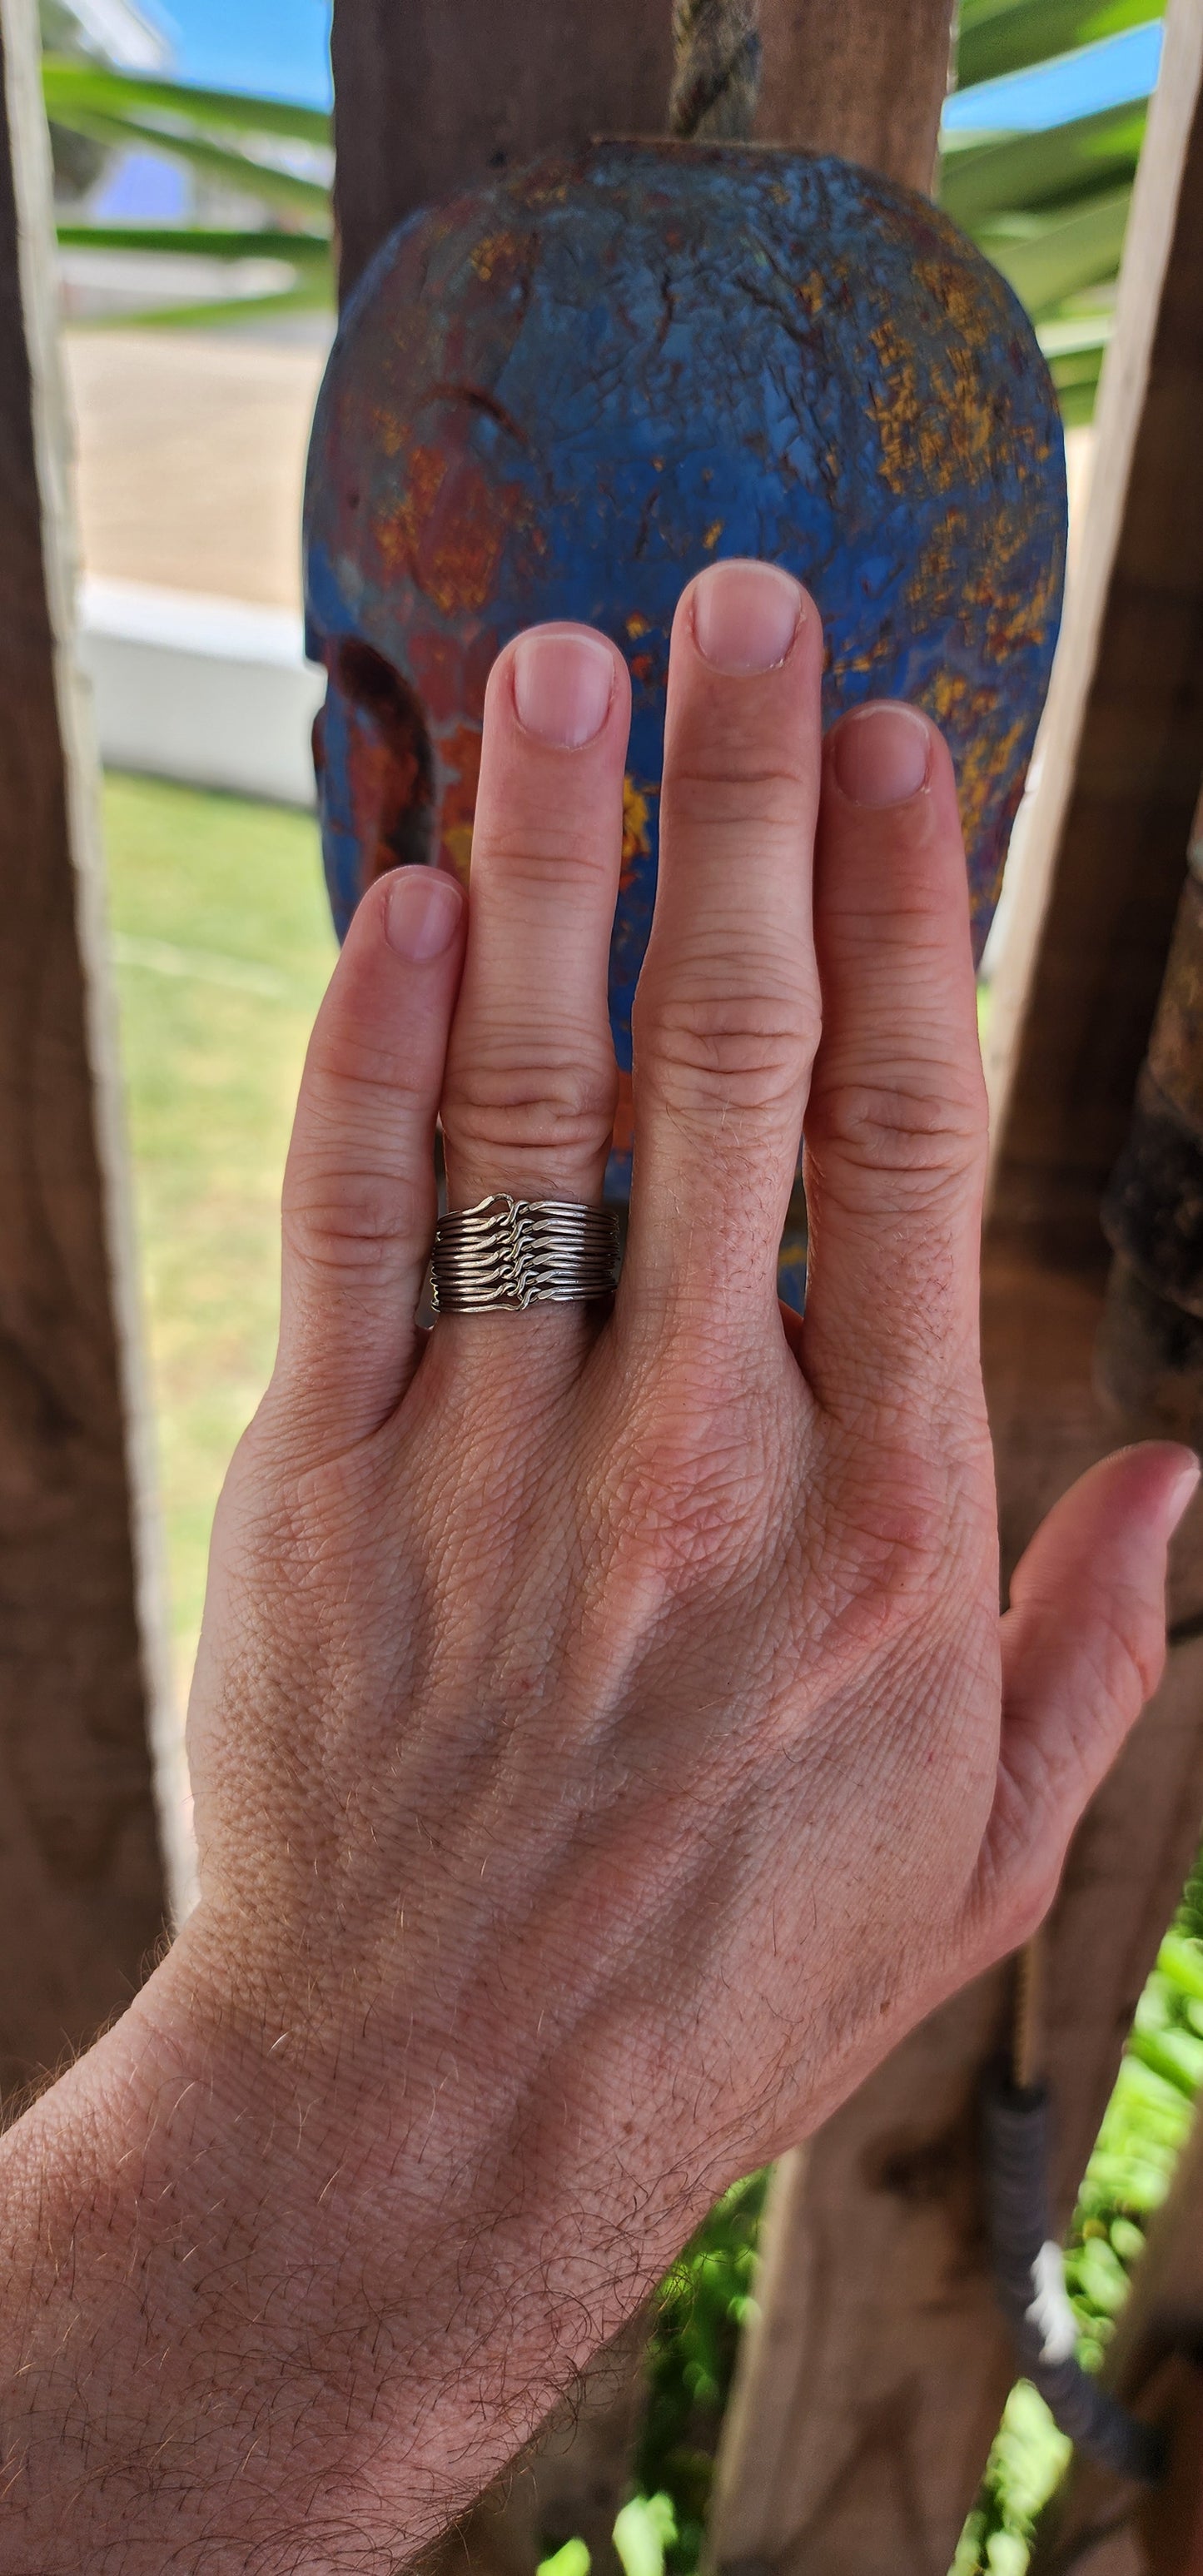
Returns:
(563, 394)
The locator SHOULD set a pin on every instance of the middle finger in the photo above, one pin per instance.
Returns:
(727, 1011)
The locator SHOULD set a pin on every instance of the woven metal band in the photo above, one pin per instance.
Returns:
(505, 1254)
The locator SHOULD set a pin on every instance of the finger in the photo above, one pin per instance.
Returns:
(727, 1008)
(1083, 1649)
(531, 1086)
(359, 1188)
(896, 1119)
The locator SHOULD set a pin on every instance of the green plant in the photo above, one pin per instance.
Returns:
(1145, 2126)
(1049, 208)
(691, 2362)
(265, 150)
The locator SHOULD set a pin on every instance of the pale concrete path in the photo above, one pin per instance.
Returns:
(191, 457)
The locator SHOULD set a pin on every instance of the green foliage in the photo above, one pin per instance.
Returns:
(73, 87)
(1127, 2178)
(210, 132)
(703, 2304)
(1030, 174)
(256, 147)
(1049, 209)
(644, 2531)
(999, 36)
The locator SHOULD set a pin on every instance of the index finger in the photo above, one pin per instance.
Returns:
(896, 1122)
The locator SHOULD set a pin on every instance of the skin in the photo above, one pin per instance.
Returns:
(604, 1739)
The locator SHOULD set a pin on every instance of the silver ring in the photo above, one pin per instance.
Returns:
(505, 1254)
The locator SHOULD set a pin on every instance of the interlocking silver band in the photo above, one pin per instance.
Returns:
(506, 1253)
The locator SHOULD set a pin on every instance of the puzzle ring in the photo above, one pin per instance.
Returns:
(505, 1254)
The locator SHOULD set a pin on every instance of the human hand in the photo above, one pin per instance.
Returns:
(604, 1743)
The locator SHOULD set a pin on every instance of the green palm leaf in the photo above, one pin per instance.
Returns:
(238, 170)
(92, 88)
(1046, 169)
(999, 36)
(1061, 258)
(203, 241)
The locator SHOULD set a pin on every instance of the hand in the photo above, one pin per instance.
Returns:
(604, 1743)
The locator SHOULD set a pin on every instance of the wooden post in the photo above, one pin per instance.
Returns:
(81, 1881)
(870, 2390)
(1121, 749)
(430, 95)
(867, 80)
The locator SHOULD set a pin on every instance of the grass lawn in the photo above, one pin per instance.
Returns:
(223, 946)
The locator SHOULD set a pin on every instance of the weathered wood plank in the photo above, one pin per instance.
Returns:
(81, 1881)
(430, 95)
(1122, 745)
(867, 81)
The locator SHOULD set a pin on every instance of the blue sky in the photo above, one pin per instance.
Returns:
(281, 46)
(1105, 75)
(278, 46)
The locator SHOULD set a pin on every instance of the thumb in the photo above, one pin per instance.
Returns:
(1083, 1648)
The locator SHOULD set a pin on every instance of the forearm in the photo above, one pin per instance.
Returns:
(241, 2331)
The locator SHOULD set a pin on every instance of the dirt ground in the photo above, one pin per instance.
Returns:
(191, 456)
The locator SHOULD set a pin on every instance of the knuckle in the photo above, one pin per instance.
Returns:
(732, 789)
(338, 1219)
(542, 858)
(360, 1074)
(546, 1101)
(720, 1047)
(925, 1127)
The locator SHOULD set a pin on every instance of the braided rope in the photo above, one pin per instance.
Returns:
(713, 96)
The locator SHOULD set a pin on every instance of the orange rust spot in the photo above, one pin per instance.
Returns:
(459, 761)
(637, 626)
(933, 425)
(713, 533)
(635, 808)
(450, 529)
(984, 761)
(496, 251)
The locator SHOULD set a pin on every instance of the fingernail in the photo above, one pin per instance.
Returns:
(563, 684)
(882, 754)
(1182, 1493)
(422, 913)
(745, 616)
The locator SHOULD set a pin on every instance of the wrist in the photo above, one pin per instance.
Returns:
(423, 2225)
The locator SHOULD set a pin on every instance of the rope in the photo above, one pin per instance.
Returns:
(715, 86)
